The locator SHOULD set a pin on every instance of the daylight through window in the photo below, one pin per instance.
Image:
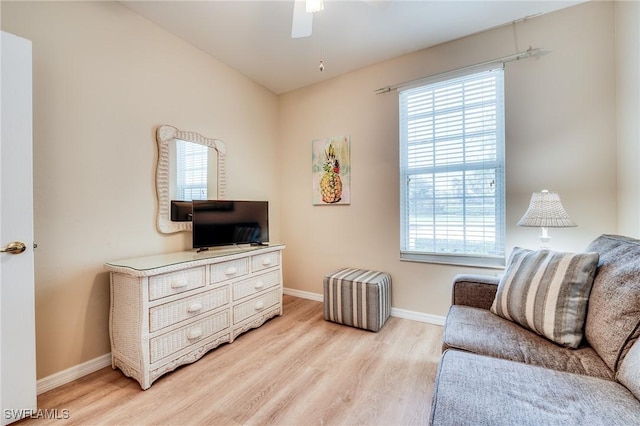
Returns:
(191, 168)
(452, 170)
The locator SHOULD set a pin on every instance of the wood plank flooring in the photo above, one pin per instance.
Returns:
(297, 369)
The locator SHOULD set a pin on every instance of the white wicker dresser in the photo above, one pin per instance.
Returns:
(169, 310)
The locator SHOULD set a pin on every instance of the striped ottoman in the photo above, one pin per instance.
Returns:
(358, 298)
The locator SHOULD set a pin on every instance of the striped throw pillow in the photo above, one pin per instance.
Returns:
(547, 292)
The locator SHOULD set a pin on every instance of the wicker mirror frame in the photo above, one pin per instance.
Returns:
(165, 135)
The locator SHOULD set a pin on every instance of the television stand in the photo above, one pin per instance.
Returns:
(171, 309)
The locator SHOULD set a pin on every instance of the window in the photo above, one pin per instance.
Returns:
(191, 168)
(452, 170)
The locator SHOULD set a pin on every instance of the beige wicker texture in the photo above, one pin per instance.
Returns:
(546, 211)
(165, 136)
(188, 356)
(256, 305)
(176, 282)
(125, 318)
(169, 310)
(128, 369)
(264, 261)
(170, 343)
(244, 288)
(256, 321)
(172, 313)
(230, 269)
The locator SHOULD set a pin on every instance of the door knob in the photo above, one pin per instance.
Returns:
(15, 247)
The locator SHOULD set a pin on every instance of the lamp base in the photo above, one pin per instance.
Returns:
(544, 240)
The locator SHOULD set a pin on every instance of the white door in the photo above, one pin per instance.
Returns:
(17, 310)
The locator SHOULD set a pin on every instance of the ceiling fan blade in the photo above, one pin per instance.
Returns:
(302, 21)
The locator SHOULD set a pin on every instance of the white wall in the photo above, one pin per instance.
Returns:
(104, 79)
(560, 135)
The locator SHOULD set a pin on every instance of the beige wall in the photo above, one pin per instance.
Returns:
(627, 19)
(560, 135)
(104, 79)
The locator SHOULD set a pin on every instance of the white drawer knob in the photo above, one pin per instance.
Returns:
(179, 283)
(259, 305)
(266, 261)
(259, 285)
(230, 270)
(194, 307)
(196, 333)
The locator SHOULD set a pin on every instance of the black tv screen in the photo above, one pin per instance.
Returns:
(222, 222)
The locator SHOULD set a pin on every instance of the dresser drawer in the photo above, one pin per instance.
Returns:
(230, 269)
(176, 282)
(256, 284)
(171, 313)
(256, 305)
(264, 261)
(170, 343)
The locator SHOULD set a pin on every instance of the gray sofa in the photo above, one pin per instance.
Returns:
(494, 371)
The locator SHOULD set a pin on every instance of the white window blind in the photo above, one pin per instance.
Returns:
(191, 168)
(452, 170)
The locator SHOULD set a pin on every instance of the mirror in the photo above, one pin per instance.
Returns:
(168, 138)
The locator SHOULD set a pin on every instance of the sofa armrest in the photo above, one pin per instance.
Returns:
(474, 290)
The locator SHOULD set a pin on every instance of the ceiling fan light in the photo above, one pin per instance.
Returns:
(314, 5)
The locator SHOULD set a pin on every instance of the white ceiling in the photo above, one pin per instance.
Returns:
(254, 37)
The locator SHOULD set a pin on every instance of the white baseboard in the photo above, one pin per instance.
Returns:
(303, 294)
(70, 374)
(417, 316)
(395, 312)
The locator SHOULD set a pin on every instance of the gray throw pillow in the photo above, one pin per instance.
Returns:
(629, 372)
(613, 319)
(547, 292)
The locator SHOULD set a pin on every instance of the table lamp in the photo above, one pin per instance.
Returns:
(546, 211)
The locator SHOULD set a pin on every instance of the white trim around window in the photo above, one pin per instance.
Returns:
(452, 161)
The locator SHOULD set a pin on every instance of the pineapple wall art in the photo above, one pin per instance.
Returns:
(331, 168)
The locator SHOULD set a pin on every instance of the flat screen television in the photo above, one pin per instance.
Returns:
(223, 222)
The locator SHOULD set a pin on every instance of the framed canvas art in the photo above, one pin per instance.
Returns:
(331, 170)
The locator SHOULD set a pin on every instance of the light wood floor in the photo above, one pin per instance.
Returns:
(297, 369)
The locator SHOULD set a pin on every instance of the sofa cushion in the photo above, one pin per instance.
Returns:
(479, 331)
(629, 372)
(547, 292)
(477, 390)
(613, 315)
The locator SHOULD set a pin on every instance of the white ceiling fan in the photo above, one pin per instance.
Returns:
(303, 11)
